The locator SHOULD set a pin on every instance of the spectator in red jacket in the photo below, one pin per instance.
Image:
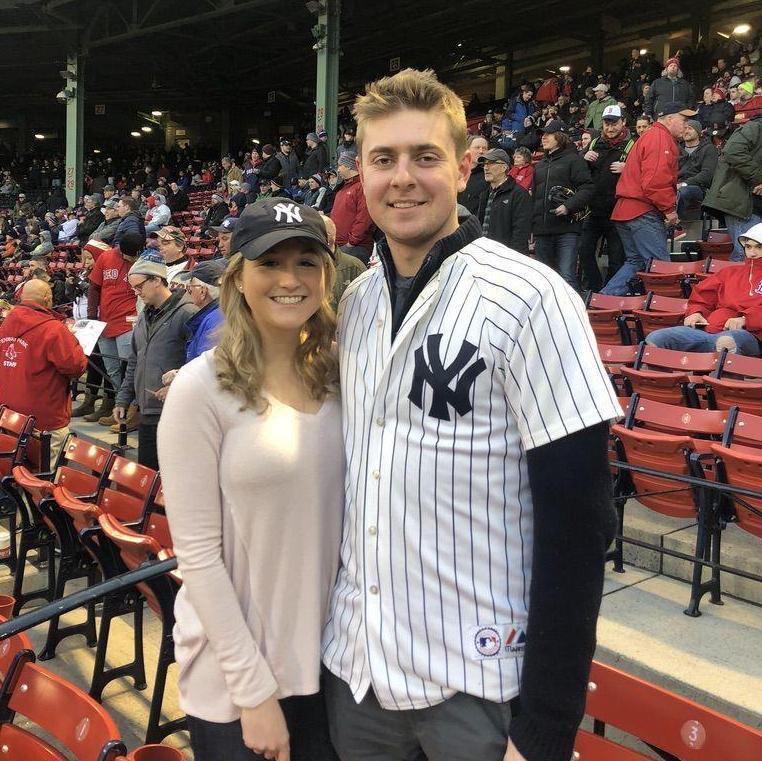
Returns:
(522, 170)
(354, 227)
(725, 310)
(646, 196)
(40, 356)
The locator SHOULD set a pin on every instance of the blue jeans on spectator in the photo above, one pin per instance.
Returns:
(689, 201)
(119, 346)
(682, 338)
(736, 227)
(560, 253)
(643, 238)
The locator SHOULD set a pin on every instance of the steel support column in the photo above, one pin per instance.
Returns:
(327, 90)
(75, 118)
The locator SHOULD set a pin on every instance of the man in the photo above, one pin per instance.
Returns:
(39, 357)
(354, 227)
(111, 219)
(520, 108)
(160, 214)
(216, 213)
(92, 220)
(695, 168)
(179, 200)
(316, 159)
(476, 185)
(173, 249)
(202, 283)
(322, 146)
(230, 171)
(646, 199)
(108, 192)
(642, 124)
(725, 310)
(736, 189)
(468, 373)
(348, 268)
(605, 157)
(131, 221)
(505, 209)
(289, 162)
(749, 104)
(224, 232)
(111, 300)
(158, 343)
(734, 96)
(271, 166)
(594, 115)
(347, 147)
(669, 88)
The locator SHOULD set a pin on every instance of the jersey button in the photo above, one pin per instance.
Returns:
(374, 590)
(376, 475)
(380, 422)
(379, 324)
(372, 531)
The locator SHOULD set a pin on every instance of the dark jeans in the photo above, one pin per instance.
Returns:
(462, 728)
(307, 728)
(147, 454)
(593, 229)
(560, 253)
(689, 201)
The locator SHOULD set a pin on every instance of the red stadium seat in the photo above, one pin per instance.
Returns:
(724, 393)
(658, 312)
(669, 278)
(742, 466)
(673, 724)
(605, 313)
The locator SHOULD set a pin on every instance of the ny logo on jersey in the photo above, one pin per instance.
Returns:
(289, 210)
(439, 378)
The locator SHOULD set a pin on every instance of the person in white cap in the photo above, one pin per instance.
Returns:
(725, 310)
(594, 115)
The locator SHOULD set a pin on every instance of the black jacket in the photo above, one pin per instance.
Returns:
(89, 225)
(718, 114)
(131, 222)
(698, 167)
(475, 186)
(178, 201)
(665, 90)
(215, 215)
(510, 218)
(565, 168)
(270, 168)
(604, 198)
(311, 164)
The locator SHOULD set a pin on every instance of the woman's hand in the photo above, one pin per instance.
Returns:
(264, 730)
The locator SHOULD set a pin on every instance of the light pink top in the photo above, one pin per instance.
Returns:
(255, 507)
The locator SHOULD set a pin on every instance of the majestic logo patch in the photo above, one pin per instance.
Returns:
(289, 210)
(439, 378)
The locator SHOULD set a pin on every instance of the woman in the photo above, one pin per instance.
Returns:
(562, 190)
(522, 170)
(250, 449)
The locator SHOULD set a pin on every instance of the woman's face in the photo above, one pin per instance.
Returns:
(87, 259)
(519, 160)
(586, 140)
(708, 95)
(549, 141)
(284, 287)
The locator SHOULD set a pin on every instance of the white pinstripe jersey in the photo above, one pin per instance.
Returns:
(494, 358)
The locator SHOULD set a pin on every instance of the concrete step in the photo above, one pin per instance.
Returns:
(714, 660)
(739, 549)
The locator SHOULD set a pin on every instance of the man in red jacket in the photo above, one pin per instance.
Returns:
(646, 196)
(725, 310)
(38, 358)
(354, 227)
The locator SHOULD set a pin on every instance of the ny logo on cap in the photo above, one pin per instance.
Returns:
(290, 210)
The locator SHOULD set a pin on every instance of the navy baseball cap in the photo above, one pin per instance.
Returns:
(554, 125)
(270, 221)
(227, 225)
(209, 271)
(674, 107)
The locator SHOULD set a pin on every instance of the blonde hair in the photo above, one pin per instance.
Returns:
(411, 89)
(239, 360)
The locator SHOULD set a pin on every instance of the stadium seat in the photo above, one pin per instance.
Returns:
(724, 393)
(658, 312)
(742, 466)
(61, 710)
(669, 278)
(605, 314)
(676, 726)
(137, 548)
(614, 357)
(10, 647)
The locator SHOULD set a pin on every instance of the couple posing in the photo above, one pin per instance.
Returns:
(396, 554)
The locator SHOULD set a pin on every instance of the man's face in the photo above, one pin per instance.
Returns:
(311, 144)
(286, 148)
(494, 171)
(175, 187)
(344, 172)
(672, 70)
(675, 123)
(690, 135)
(411, 176)
(223, 239)
(612, 128)
(89, 203)
(122, 209)
(600, 94)
(526, 95)
(733, 92)
(107, 194)
(479, 146)
(635, 54)
(349, 137)
(744, 95)
(225, 164)
(721, 63)
(169, 248)
(752, 249)
(110, 214)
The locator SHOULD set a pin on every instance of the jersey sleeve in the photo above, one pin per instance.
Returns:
(554, 380)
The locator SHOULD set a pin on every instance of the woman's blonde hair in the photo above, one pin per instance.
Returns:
(411, 89)
(239, 360)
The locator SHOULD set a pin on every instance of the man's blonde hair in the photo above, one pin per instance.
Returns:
(411, 89)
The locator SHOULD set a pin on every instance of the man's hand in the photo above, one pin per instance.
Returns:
(735, 323)
(119, 414)
(561, 211)
(692, 320)
(617, 167)
(512, 754)
(671, 219)
(264, 730)
(757, 190)
(591, 156)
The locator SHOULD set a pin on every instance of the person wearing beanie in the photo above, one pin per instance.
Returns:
(288, 160)
(354, 227)
(315, 192)
(91, 221)
(695, 168)
(277, 188)
(316, 159)
(725, 310)
(158, 344)
(719, 114)
(671, 87)
(216, 213)
(749, 104)
(270, 166)
(159, 216)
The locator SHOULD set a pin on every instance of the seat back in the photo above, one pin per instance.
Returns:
(716, 265)
(15, 430)
(62, 710)
(156, 524)
(743, 429)
(665, 720)
(128, 491)
(739, 366)
(743, 467)
(10, 647)
(655, 358)
(660, 267)
(85, 467)
(619, 303)
(659, 303)
(730, 392)
(678, 421)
